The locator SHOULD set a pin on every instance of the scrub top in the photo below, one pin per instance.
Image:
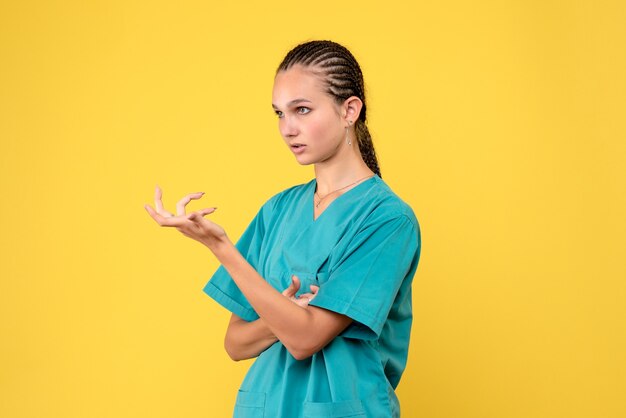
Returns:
(362, 251)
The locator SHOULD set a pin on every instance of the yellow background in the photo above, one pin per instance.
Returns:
(501, 123)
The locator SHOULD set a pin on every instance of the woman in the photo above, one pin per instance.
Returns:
(319, 284)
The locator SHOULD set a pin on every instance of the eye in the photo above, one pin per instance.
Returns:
(278, 113)
(303, 107)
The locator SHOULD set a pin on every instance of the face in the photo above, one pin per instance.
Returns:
(309, 120)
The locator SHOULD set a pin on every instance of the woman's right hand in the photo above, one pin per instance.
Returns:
(302, 300)
(192, 225)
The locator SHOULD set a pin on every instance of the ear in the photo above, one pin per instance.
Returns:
(352, 109)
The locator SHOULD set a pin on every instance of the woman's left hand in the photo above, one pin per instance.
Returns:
(192, 225)
(302, 300)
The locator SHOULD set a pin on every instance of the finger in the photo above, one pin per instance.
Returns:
(293, 287)
(290, 290)
(296, 281)
(163, 220)
(200, 213)
(158, 194)
(314, 288)
(309, 296)
(180, 206)
(158, 203)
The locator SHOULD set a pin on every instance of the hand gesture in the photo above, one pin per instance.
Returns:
(192, 225)
(302, 300)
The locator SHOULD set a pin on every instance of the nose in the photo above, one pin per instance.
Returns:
(288, 127)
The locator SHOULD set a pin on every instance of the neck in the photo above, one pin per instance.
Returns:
(338, 172)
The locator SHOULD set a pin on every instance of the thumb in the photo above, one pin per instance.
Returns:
(296, 281)
(293, 287)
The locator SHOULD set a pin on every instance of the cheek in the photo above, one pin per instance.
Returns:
(322, 129)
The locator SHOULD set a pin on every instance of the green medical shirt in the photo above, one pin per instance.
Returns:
(362, 252)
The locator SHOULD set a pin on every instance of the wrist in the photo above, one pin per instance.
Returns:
(219, 245)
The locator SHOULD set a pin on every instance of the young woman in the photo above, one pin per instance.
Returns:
(319, 284)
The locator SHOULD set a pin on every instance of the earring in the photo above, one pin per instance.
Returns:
(348, 139)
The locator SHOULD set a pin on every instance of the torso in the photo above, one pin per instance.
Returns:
(354, 375)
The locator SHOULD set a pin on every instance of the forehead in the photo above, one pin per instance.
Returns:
(297, 83)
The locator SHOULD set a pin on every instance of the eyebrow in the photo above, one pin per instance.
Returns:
(294, 102)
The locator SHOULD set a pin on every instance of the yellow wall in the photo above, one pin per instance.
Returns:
(501, 123)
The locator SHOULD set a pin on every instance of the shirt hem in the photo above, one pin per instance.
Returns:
(229, 303)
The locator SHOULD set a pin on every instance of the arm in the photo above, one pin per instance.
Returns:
(245, 339)
(303, 331)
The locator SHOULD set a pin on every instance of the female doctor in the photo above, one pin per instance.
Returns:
(319, 284)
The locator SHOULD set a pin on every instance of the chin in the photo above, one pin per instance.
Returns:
(305, 160)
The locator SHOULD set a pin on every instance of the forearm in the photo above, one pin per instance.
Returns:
(290, 323)
(245, 339)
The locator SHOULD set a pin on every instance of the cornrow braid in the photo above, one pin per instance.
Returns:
(343, 78)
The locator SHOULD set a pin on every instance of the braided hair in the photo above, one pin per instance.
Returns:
(343, 78)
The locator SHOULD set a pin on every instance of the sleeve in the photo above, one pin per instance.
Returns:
(221, 286)
(365, 282)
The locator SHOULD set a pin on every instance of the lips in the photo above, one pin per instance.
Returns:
(297, 148)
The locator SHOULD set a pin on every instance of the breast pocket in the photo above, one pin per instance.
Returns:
(342, 409)
(250, 405)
